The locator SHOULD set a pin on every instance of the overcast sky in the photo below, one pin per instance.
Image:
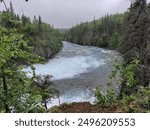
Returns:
(66, 13)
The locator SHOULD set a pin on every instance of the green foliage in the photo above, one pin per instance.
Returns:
(100, 98)
(116, 40)
(36, 106)
(44, 85)
(45, 40)
(110, 97)
(104, 100)
(127, 77)
(126, 73)
(137, 102)
(105, 32)
(18, 93)
(20, 40)
(131, 100)
(122, 75)
(136, 39)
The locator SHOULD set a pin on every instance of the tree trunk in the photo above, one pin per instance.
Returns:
(45, 104)
(5, 90)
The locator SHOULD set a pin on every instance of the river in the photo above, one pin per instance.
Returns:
(77, 70)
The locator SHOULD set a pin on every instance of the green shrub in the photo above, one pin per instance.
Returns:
(137, 102)
(100, 98)
(104, 100)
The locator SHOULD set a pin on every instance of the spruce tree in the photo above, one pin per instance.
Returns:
(40, 26)
(136, 39)
(11, 8)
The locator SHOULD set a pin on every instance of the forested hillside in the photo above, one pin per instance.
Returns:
(104, 32)
(128, 32)
(23, 41)
(45, 40)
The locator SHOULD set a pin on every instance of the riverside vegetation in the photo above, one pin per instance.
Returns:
(45, 40)
(128, 33)
(24, 42)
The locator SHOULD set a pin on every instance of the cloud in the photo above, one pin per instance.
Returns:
(66, 13)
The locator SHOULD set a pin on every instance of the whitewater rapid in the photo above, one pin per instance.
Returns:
(77, 70)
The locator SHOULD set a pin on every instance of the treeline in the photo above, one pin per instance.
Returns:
(45, 40)
(128, 32)
(104, 32)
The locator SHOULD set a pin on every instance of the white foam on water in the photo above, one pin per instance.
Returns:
(70, 62)
(80, 97)
(63, 67)
(107, 51)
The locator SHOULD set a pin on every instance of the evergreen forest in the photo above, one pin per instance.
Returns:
(25, 42)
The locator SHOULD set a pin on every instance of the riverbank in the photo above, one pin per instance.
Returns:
(138, 102)
(84, 107)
